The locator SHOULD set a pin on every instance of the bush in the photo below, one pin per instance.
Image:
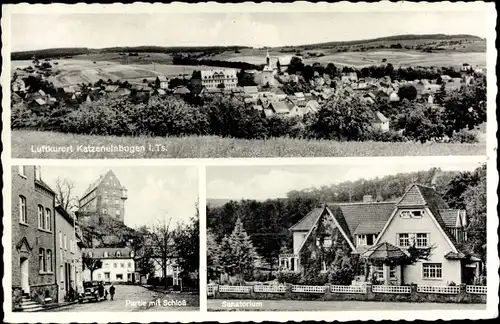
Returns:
(262, 276)
(387, 136)
(315, 279)
(464, 136)
(289, 277)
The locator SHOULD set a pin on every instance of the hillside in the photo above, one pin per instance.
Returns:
(104, 231)
(404, 40)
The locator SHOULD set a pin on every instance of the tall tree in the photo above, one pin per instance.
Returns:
(187, 245)
(65, 194)
(92, 264)
(162, 240)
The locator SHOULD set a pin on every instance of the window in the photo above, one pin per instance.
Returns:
(119, 276)
(71, 246)
(37, 173)
(378, 271)
(41, 260)
(48, 220)
(432, 270)
(106, 200)
(115, 265)
(405, 214)
(105, 265)
(404, 240)
(422, 240)
(41, 221)
(106, 254)
(99, 276)
(416, 214)
(392, 271)
(104, 211)
(361, 239)
(65, 242)
(90, 254)
(118, 253)
(22, 210)
(370, 238)
(21, 170)
(130, 264)
(117, 202)
(122, 265)
(49, 261)
(61, 273)
(117, 212)
(61, 240)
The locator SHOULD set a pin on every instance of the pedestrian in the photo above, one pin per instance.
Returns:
(112, 291)
(101, 290)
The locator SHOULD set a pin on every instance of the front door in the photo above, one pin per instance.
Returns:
(25, 275)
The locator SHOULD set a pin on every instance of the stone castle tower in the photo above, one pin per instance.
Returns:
(106, 196)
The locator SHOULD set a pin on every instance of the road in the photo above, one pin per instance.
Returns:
(131, 298)
(307, 305)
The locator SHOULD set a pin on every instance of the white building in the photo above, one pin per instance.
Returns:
(173, 270)
(213, 79)
(118, 265)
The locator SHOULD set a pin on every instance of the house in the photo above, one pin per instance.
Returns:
(251, 91)
(105, 196)
(280, 108)
(68, 255)
(226, 79)
(119, 93)
(18, 85)
(181, 91)
(393, 96)
(32, 237)
(299, 96)
(380, 122)
(111, 88)
(158, 92)
(465, 67)
(268, 112)
(382, 234)
(161, 82)
(278, 93)
(445, 78)
(118, 265)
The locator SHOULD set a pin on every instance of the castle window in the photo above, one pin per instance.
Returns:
(21, 170)
(22, 210)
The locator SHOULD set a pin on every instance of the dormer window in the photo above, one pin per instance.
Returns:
(106, 254)
(132, 254)
(118, 254)
(89, 254)
(407, 214)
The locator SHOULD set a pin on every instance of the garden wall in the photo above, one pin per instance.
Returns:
(413, 293)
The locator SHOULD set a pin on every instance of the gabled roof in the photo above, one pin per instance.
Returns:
(98, 253)
(250, 89)
(40, 101)
(308, 221)
(182, 90)
(279, 107)
(96, 184)
(384, 251)
(450, 217)
(69, 218)
(162, 78)
(111, 88)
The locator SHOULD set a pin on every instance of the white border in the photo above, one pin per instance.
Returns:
(492, 222)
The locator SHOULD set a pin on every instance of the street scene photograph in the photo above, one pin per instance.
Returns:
(104, 239)
(248, 83)
(394, 236)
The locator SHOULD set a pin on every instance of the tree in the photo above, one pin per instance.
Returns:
(407, 92)
(187, 245)
(92, 264)
(213, 264)
(423, 123)
(65, 195)
(441, 94)
(242, 258)
(162, 240)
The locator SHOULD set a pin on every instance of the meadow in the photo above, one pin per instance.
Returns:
(23, 141)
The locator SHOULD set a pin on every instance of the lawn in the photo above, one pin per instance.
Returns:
(33, 144)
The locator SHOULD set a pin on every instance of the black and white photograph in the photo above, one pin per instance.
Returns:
(104, 239)
(248, 84)
(409, 236)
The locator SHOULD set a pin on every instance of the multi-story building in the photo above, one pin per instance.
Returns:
(33, 242)
(118, 265)
(213, 79)
(68, 253)
(106, 196)
(382, 234)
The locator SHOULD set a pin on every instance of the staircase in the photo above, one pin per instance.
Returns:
(27, 305)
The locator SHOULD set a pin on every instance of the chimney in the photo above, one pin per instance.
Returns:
(367, 198)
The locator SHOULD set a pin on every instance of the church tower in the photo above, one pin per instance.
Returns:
(268, 59)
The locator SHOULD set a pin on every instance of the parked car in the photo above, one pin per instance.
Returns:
(92, 292)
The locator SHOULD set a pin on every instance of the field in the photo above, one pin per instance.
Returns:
(26, 143)
(74, 71)
(403, 58)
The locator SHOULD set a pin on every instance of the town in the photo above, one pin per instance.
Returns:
(407, 237)
(283, 96)
(73, 253)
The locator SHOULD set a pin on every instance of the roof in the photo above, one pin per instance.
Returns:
(308, 221)
(450, 216)
(182, 90)
(69, 218)
(257, 107)
(95, 184)
(384, 251)
(45, 186)
(268, 112)
(250, 89)
(111, 88)
(40, 101)
(162, 78)
(379, 117)
(98, 253)
(218, 74)
(280, 107)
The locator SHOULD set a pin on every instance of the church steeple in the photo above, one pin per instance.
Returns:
(268, 59)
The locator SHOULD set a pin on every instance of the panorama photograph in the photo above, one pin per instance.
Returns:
(383, 237)
(248, 84)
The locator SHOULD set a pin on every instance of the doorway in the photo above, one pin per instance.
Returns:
(25, 275)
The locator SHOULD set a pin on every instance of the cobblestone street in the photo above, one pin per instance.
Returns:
(131, 298)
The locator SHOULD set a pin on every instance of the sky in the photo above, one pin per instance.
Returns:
(155, 193)
(268, 182)
(40, 31)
